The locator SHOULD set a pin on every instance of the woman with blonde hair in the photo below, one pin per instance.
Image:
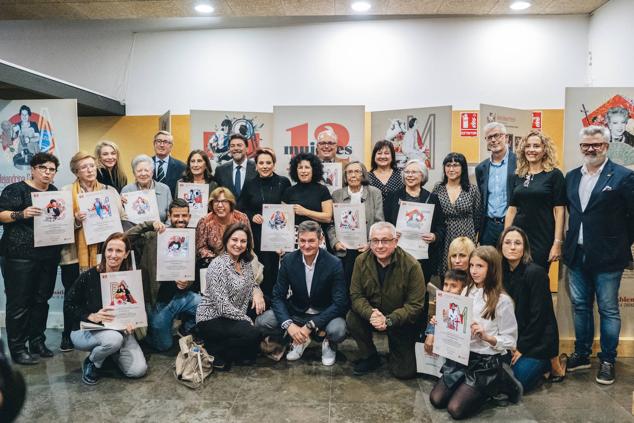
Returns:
(538, 198)
(458, 254)
(108, 170)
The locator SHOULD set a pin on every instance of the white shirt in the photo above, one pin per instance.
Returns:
(166, 161)
(503, 327)
(355, 197)
(243, 172)
(586, 185)
(309, 271)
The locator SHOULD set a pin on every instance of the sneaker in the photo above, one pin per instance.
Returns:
(510, 385)
(67, 344)
(577, 362)
(367, 365)
(90, 373)
(297, 350)
(605, 376)
(328, 353)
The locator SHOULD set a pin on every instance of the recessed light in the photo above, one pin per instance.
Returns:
(520, 5)
(204, 8)
(361, 6)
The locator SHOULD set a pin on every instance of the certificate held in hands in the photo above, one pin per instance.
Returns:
(102, 215)
(452, 335)
(123, 291)
(350, 225)
(197, 197)
(414, 219)
(176, 255)
(278, 227)
(141, 206)
(55, 225)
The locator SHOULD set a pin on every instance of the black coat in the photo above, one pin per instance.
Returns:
(175, 170)
(84, 297)
(224, 175)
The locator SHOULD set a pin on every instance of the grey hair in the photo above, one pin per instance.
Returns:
(420, 167)
(494, 125)
(592, 130)
(383, 225)
(618, 110)
(327, 131)
(365, 179)
(171, 137)
(310, 226)
(140, 159)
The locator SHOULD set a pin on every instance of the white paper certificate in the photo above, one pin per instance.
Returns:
(414, 219)
(429, 364)
(452, 335)
(55, 225)
(141, 206)
(333, 176)
(124, 292)
(350, 225)
(102, 210)
(278, 227)
(197, 196)
(203, 280)
(176, 255)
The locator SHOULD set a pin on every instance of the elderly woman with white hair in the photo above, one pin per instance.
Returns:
(143, 169)
(415, 175)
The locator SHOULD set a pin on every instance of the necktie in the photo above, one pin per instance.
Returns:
(160, 173)
(237, 185)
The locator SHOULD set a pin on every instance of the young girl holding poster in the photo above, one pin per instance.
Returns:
(463, 389)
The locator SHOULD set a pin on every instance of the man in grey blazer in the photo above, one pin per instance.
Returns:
(234, 174)
(167, 169)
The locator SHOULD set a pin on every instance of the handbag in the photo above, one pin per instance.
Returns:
(193, 363)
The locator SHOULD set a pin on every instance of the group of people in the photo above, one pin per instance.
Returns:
(492, 241)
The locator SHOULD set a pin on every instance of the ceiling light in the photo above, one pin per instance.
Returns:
(204, 8)
(361, 6)
(520, 5)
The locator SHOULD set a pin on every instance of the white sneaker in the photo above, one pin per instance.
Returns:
(328, 355)
(297, 350)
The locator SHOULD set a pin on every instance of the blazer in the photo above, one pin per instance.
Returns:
(327, 291)
(482, 180)
(608, 220)
(372, 199)
(224, 175)
(175, 169)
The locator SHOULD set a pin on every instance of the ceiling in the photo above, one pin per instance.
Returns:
(150, 9)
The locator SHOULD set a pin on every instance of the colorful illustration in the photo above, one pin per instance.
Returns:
(141, 205)
(349, 220)
(121, 294)
(455, 319)
(177, 246)
(100, 208)
(194, 198)
(25, 134)
(278, 220)
(216, 143)
(410, 142)
(55, 210)
(414, 218)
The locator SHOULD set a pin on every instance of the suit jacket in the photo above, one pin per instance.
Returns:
(482, 180)
(327, 291)
(608, 220)
(224, 175)
(175, 169)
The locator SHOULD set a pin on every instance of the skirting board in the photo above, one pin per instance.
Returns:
(625, 348)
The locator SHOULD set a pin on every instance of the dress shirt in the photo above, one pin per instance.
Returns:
(497, 202)
(166, 161)
(310, 272)
(243, 172)
(503, 327)
(586, 185)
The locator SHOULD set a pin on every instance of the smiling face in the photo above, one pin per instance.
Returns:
(24, 116)
(304, 172)
(453, 170)
(496, 141)
(87, 171)
(143, 173)
(478, 270)
(238, 150)
(163, 145)
(115, 254)
(197, 165)
(413, 176)
(383, 157)
(309, 243)
(534, 149)
(326, 146)
(179, 217)
(513, 247)
(594, 149)
(237, 244)
(616, 125)
(382, 243)
(108, 156)
(265, 165)
(221, 206)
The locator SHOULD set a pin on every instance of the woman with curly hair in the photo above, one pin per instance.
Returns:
(538, 198)
(108, 170)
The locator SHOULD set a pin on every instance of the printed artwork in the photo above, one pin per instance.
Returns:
(141, 205)
(55, 210)
(278, 220)
(518, 123)
(349, 219)
(454, 318)
(408, 140)
(25, 134)
(100, 208)
(120, 294)
(194, 198)
(414, 218)
(177, 246)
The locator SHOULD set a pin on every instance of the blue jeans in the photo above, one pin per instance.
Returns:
(529, 371)
(584, 285)
(490, 234)
(161, 317)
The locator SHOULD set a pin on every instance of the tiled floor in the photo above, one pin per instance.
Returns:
(304, 391)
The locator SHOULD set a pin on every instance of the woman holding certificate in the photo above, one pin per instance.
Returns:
(229, 333)
(266, 188)
(356, 190)
(464, 389)
(79, 256)
(108, 169)
(83, 303)
(143, 170)
(29, 273)
(199, 170)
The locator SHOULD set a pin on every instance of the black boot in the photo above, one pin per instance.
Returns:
(24, 358)
(40, 349)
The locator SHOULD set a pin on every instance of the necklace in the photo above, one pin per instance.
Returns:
(527, 180)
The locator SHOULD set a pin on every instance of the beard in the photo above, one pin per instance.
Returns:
(595, 160)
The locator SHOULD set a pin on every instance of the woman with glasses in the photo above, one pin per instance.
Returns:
(108, 169)
(460, 203)
(384, 173)
(29, 272)
(538, 198)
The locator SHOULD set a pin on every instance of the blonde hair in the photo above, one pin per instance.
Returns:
(549, 161)
(102, 144)
(78, 157)
(215, 194)
(460, 244)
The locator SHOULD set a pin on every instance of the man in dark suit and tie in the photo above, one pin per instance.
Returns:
(234, 174)
(167, 169)
(494, 177)
(319, 298)
(598, 247)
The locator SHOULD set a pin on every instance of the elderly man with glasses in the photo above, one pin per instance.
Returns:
(387, 293)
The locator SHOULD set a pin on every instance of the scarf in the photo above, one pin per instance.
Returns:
(87, 254)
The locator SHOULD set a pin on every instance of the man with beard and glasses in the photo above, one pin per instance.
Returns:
(598, 247)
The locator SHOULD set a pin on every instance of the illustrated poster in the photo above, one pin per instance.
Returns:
(55, 226)
(197, 197)
(350, 225)
(414, 220)
(124, 292)
(176, 255)
(452, 335)
(102, 210)
(141, 206)
(278, 227)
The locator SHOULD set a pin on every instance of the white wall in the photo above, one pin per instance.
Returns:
(610, 35)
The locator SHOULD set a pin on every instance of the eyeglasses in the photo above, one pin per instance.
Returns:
(592, 146)
(330, 143)
(163, 142)
(411, 172)
(45, 169)
(375, 242)
(353, 172)
(493, 136)
(225, 202)
(87, 167)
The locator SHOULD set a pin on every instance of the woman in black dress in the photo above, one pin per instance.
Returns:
(384, 173)
(266, 188)
(538, 198)
(108, 170)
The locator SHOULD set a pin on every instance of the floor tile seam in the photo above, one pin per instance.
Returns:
(235, 400)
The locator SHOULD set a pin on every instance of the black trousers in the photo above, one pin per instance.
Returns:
(231, 340)
(70, 273)
(348, 265)
(28, 284)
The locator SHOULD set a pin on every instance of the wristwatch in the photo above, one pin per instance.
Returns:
(388, 322)
(311, 325)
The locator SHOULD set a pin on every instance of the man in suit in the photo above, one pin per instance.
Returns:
(598, 247)
(319, 299)
(234, 174)
(494, 177)
(167, 169)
